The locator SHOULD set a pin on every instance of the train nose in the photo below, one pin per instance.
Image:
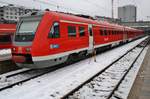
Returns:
(21, 50)
(21, 58)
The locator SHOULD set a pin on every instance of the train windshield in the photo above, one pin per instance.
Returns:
(26, 30)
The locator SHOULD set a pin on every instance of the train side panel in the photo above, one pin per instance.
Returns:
(59, 36)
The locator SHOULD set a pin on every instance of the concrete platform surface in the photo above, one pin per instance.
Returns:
(141, 87)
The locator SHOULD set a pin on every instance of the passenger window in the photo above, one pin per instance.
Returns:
(113, 32)
(105, 32)
(81, 31)
(54, 33)
(72, 31)
(109, 32)
(101, 32)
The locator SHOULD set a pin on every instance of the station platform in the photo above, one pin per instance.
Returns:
(141, 86)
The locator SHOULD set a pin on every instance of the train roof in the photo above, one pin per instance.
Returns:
(73, 18)
(103, 24)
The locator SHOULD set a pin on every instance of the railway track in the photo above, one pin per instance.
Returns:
(10, 79)
(104, 84)
(112, 94)
(20, 76)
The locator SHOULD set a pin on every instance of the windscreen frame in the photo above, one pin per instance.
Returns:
(27, 18)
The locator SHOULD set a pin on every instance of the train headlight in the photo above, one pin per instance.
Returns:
(28, 49)
(14, 49)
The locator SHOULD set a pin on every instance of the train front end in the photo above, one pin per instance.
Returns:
(24, 39)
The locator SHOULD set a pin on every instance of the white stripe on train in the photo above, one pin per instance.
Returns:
(49, 57)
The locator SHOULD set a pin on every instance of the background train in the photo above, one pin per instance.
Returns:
(50, 38)
(6, 33)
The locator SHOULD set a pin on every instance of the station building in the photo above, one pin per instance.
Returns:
(12, 13)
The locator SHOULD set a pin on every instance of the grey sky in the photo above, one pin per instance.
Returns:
(90, 7)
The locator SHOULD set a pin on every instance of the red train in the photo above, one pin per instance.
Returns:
(6, 33)
(50, 38)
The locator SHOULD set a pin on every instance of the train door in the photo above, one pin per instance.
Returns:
(91, 40)
(124, 36)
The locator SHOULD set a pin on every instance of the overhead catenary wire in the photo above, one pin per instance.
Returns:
(3, 2)
(62, 7)
(82, 11)
(97, 5)
(46, 3)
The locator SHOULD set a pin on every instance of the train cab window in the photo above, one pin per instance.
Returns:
(81, 31)
(54, 33)
(71, 31)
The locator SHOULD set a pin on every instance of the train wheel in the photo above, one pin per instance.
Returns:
(72, 58)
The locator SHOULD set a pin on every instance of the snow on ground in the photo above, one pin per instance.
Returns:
(57, 83)
(102, 85)
(14, 72)
(5, 51)
(3, 77)
(5, 54)
(126, 85)
(5, 81)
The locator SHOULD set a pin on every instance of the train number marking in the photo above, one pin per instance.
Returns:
(54, 46)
